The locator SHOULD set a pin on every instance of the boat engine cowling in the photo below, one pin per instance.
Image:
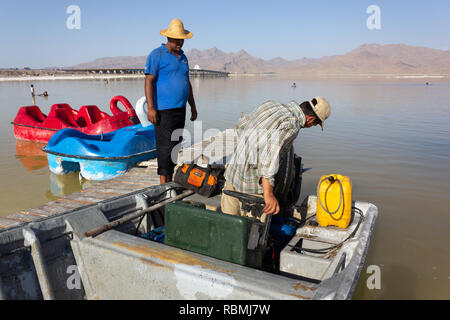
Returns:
(288, 181)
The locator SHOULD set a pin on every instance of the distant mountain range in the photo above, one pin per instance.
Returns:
(368, 58)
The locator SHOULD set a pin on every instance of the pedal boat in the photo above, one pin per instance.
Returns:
(33, 125)
(100, 157)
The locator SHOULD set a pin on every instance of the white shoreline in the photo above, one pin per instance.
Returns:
(231, 75)
(73, 77)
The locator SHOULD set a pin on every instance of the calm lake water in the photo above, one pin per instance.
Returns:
(391, 138)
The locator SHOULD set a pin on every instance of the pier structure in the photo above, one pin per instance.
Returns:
(192, 72)
(207, 73)
(106, 70)
(99, 71)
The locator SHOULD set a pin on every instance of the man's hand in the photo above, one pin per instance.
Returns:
(151, 115)
(151, 112)
(193, 113)
(272, 206)
(192, 103)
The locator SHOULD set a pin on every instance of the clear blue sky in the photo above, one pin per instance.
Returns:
(34, 33)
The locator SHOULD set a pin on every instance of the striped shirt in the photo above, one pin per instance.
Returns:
(263, 136)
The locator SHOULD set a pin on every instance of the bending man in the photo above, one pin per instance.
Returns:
(263, 137)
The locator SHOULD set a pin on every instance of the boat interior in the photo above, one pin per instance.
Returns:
(86, 116)
(35, 113)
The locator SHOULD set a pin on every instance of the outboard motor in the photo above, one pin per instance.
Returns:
(288, 182)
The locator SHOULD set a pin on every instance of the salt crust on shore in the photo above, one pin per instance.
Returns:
(445, 78)
(73, 77)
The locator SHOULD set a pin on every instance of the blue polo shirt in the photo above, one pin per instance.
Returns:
(171, 86)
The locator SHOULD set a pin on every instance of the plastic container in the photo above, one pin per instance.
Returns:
(334, 201)
(211, 233)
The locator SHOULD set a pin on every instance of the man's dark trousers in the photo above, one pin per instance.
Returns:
(168, 121)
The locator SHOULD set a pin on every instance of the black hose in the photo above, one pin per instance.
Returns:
(332, 180)
(328, 249)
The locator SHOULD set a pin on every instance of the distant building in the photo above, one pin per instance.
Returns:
(196, 67)
(26, 68)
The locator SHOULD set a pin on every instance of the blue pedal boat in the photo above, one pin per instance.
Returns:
(100, 157)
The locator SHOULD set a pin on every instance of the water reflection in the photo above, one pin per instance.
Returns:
(30, 154)
(32, 158)
(61, 185)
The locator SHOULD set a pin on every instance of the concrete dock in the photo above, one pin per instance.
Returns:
(142, 176)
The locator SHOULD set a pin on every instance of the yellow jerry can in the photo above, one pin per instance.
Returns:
(334, 201)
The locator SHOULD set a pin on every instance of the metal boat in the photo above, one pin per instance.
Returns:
(114, 249)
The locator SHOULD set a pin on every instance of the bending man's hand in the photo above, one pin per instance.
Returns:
(272, 206)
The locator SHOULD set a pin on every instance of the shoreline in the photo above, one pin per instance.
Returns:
(369, 77)
(71, 77)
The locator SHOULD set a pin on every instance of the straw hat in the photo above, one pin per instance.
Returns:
(176, 30)
(321, 109)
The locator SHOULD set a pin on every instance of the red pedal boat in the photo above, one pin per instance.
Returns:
(32, 125)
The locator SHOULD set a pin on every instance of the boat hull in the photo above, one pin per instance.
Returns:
(95, 169)
(117, 264)
(31, 133)
(100, 157)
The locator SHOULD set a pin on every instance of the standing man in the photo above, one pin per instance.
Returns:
(33, 95)
(167, 89)
(263, 137)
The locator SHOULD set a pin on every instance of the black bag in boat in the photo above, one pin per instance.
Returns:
(202, 180)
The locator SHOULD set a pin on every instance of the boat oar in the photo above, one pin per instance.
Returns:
(131, 216)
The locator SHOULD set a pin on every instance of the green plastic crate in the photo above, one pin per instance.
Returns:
(211, 233)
